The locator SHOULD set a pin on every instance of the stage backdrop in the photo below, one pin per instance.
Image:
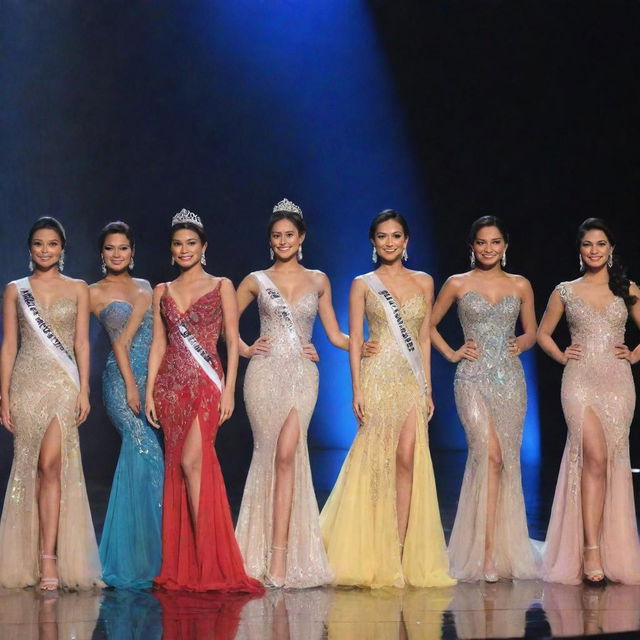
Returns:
(132, 110)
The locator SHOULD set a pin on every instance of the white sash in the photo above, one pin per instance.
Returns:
(282, 307)
(199, 354)
(44, 332)
(398, 328)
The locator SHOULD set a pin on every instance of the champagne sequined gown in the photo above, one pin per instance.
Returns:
(41, 392)
(207, 558)
(130, 544)
(359, 523)
(275, 384)
(601, 383)
(491, 394)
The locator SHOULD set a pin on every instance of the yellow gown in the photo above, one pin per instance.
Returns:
(359, 524)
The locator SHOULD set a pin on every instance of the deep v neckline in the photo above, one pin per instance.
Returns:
(277, 288)
(181, 313)
(396, 299)
(588, 304)
(46, 308)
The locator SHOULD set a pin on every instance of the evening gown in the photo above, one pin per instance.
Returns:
(130, 544)
(358, 522)
(275, 384)
(490, 393)
(601, 383)
(209, 558)
(41, 392)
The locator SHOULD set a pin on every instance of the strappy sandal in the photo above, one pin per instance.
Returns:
(49, 584)
(271, 582)
(595, 577)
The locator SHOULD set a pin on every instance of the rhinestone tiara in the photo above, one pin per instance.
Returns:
(186, 216)
(288, 207)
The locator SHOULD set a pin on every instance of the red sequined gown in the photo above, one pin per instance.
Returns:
(207, 559)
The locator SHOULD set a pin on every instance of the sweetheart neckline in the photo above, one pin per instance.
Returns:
(491, 304)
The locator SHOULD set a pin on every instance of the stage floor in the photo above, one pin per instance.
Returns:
(530, 609)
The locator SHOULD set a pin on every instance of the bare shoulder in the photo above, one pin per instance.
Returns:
(224, 283)
(319, 278)
(80, 286)
(143, 285)
(158, 291)
(358, 284)
(521, 283)
(11, 290)
(634, 290)
(455, 282)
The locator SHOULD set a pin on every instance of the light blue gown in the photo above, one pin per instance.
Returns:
(130, 544)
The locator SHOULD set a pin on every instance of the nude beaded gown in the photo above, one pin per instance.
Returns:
(491, 394)
(359, 523)
(41, 392)
(601, 383)
(276, 384)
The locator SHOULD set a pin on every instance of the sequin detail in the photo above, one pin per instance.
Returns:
(41, 392)
(274, 385)
(490, 393)
(601, 383)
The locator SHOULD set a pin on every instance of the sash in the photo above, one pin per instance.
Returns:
(398, 328)
(199, 354)
(44, 332)
(282, 307)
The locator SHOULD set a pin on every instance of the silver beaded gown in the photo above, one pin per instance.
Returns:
(491, 394)
(274, 385)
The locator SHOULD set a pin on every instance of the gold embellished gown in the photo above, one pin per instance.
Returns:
(275, 384)
(359, 523)
(601, 383)
(491, 394)
(41, 392)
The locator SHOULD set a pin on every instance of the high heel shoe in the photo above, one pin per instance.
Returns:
(588, 576)
(273, 582)
(49, 584)
(491, 576)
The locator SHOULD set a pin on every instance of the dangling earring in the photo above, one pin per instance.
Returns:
(61, 261)
(472, 259)
(580, 263)
(300, 252)
(271, 254)
(131, 265)
(374, 255)
(405, 255)
(172, 261)
(503, 262)
(103, 266)
(610, 260)
(31, 267)
(203, 260)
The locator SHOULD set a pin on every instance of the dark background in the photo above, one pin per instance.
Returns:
(445, 111)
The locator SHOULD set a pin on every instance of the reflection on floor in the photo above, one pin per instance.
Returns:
(501, 610)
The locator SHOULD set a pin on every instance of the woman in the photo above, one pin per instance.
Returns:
(46, 533)
(593, 533)
(187, 396)
(490, 539)
(278, 530)
(130, 544)
(381, 524)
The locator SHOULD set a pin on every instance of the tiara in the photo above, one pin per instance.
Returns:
(288, 207)
(186, 216)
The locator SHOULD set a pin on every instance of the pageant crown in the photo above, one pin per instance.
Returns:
(288, 207)
(186, 216)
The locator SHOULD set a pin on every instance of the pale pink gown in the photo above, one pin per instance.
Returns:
(603, 383)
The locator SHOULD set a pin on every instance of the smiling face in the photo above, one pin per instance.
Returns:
(285, 240)
(117, 252)
(389, 240)
(46, 248)
(187, 248)
(595, 249)
(488, 246)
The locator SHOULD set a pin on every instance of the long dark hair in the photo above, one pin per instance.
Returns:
(116, 227)
(383, 216)
(292, 216)
(618, 280)
(47, 222)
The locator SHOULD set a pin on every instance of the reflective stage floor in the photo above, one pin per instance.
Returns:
(530, 609)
